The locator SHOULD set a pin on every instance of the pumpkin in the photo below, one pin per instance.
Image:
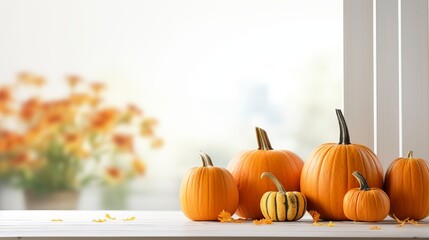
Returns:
(366, 204)
(327, 174)
(282, 205)
(206, 191)
(407, 184)
(248, 166)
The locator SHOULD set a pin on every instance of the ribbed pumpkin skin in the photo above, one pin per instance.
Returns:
(280, 206)
(407, 184)
(206, 191)
(327, 176)
(247, 168)
(359, 205)
(366, 204)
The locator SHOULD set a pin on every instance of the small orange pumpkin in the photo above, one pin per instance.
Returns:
(407, 184)
(206, 191)
(248, 166)
(365, 204)
(327, 174)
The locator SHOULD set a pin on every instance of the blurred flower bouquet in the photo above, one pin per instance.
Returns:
(49, 145)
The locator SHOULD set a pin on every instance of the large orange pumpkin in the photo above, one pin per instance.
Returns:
(327, 174)
(248, 166)
(208, 190)
(407, 184)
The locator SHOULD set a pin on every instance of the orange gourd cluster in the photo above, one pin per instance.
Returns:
(339, 181)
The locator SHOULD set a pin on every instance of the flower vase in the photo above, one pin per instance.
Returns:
(59, 200)
(115, 197)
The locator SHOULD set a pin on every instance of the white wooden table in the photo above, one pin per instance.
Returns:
(173, 224)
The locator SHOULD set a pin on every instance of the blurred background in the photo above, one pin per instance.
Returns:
(203, 73)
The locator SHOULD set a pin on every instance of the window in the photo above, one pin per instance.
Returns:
(210, 71)
(386, 75)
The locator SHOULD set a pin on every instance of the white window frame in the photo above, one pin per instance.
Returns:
(386, 76)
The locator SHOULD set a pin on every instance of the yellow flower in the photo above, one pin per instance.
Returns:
(54, 118)
(81, 153)
(57, 112)
(30, 108)
(35, 133)
(95, 101)
(123, 142)
(104, 120)
(146, 126)
(81, 98)
(72, 139)
(114, 175)
(5, 99)
(73, 80)
(97, 87)
(157, 143)
(73, 142)
(5, 109)
(20, 160)
(31, 79)
(134, 110)
(9, 141)
(130, 113)
(139, 166)
(5, 94)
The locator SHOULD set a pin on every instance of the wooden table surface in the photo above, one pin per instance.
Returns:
(173, 224)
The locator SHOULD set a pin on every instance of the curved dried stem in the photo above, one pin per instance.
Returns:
(362, 181)
(344, 131)
(206, 159)
(276, 182)
(263, 140)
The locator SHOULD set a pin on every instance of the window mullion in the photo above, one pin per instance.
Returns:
(358, 70)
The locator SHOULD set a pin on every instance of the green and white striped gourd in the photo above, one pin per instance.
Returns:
(282, 206)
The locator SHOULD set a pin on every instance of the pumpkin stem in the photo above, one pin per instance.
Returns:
(275, 181)
(206, 159)
(362, 181)
(410, 154)
(344, 131)
(263, 141)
